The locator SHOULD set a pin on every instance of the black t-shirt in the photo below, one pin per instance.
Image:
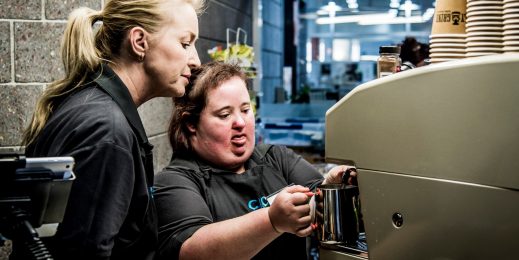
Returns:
(110, 212)
(190, 194)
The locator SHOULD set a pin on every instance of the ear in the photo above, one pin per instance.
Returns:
(191, 128)
(138, 42)
(189, 125)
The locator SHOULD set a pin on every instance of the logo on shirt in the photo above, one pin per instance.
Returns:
(258, 203)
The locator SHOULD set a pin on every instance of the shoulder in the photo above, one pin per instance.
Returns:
(179, 172)
(91, 104)
(281, 157)
(264, 151)
(94, 107)
(89, 117)
(278, 156)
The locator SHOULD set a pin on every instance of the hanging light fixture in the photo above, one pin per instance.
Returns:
(408, 7)
(394, 4)
(330, 9)
(352, 5)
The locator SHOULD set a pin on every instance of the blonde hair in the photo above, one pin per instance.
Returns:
(83, 49)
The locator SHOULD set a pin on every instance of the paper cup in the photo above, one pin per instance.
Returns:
(449, 17)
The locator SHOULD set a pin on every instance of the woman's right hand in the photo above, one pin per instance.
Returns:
(290, 211)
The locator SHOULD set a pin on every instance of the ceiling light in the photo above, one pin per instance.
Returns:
(395, 20)
(408, 7)
(355, 18)
(428, 14)
(352, 4)
(331, 7)
(394, 4)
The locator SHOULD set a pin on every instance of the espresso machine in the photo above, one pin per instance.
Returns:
(437, 154)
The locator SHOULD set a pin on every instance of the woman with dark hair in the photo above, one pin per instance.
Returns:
(141, 50)
(218, 197)
(413, 53)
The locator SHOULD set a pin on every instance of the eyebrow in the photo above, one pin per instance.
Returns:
(229, 107)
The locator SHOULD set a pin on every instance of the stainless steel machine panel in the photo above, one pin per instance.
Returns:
(440, 219)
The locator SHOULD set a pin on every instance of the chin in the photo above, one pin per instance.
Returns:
(177, 89)
(243, 152)
(238, 159)
(176, 94)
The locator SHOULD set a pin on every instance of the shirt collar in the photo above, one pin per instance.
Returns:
(114, 86)
(194, 162)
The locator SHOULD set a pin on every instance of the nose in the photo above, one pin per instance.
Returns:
(193, 59)
(239, 122)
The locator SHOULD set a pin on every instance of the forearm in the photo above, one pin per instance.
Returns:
(237, 238)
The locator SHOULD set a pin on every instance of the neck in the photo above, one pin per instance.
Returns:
(240, 170)
(131, 77)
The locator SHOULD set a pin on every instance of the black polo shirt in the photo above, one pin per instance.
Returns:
(110, 212)
(191, 194)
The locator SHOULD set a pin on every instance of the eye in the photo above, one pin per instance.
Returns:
(223, 116)
(245, 108)
(186, 45)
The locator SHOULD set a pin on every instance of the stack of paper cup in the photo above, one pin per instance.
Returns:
(447, 40)
(511, 26)
(484, 27)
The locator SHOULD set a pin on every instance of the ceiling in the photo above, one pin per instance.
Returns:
(363, 5)
(311, 10)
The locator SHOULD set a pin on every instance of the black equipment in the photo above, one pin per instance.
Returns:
(33, 191)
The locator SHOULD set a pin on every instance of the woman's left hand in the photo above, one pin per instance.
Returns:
(336, 173)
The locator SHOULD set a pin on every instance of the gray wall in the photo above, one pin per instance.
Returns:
(272, 42)
(30, 35)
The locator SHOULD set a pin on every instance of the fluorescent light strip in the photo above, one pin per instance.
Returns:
(428, 14)
(395, 20)
(354, 18)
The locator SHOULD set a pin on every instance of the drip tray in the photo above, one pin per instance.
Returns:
(359, 250)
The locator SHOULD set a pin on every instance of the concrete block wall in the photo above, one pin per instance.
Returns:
(30, 35)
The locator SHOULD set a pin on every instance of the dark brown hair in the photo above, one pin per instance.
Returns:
(187, 108)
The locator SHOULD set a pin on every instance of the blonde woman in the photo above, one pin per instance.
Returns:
(142, 49)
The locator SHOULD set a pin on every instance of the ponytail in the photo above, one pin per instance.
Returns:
(79, 56)
(78, 51)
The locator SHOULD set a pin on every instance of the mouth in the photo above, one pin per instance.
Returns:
(239, 140)
(187, 77)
